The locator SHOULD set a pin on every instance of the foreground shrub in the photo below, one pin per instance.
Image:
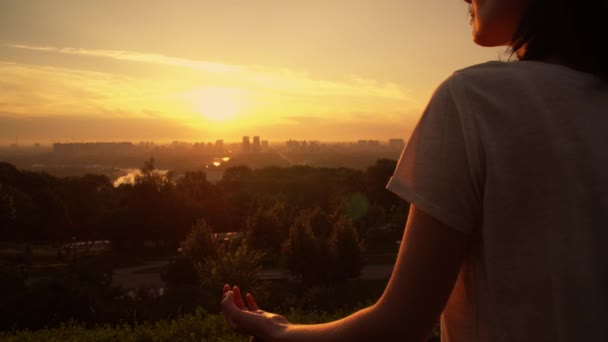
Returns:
(199, 326)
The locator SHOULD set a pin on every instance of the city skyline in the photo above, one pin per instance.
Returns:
(216, 143)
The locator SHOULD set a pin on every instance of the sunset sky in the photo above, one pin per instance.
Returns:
(197, 70)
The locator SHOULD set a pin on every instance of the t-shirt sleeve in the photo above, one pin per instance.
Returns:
(434, 171)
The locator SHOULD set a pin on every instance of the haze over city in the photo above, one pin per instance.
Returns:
(200, 70)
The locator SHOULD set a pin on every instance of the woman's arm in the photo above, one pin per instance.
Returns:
(427, 265)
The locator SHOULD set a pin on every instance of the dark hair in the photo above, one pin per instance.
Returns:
(571, 32)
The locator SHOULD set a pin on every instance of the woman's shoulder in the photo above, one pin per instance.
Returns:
(487, 66)
(484, 76)
(495, 78)
(505, 71)
(490, 82)
(499, 84)
(488, 71)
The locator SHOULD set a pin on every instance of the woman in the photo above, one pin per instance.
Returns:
(507, 176)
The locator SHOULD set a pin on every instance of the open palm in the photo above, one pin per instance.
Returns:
(250, 319)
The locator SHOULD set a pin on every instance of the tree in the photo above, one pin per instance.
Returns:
(266, 230)
(7, 210)
(377, 176)
(318, 259)
(195, 250)
(236, 263)
(236, 173)
(199, 245)
(356, 206)
(348, 248)
(302, 251)
(320, 221)
(179, 272)
(194, 184)
(85, 201)
(150, 177)
(209, 263)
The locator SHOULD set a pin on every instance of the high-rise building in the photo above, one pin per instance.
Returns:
(264, 145)
(219, 146)
(396, 144)
(256, 144)
(292, 144)
(246, 144)
(198, 146)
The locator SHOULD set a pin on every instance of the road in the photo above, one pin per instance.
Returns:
(148, 274)
(368, 272)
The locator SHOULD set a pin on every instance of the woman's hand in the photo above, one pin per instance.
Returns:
(251, 320)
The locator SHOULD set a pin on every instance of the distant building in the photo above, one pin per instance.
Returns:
(292, 144)
(97, 147)
(303, 146)
(246, 144)
(219, 146)
(368, 143)
(264, 145)
(396, 144)
(256, 144)
(198, 146)
(234, 147)
(146, 145)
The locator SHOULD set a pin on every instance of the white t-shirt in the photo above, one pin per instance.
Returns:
(516, 155)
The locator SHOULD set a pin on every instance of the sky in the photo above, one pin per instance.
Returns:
(201, 70)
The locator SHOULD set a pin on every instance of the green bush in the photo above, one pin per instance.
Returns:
(207, 263)
(199, 244)
(199, 326)
(318, 259)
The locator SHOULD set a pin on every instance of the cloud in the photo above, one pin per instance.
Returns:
(279, 80)
(31, 90)
(283, 101)
(136, 57)
(47, 129)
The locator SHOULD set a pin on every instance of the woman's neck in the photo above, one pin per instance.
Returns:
(521, 54)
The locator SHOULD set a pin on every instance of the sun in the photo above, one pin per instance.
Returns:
(218, 104)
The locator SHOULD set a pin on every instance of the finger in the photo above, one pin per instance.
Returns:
(226, 288)
(253, 306)
(248, 322)
(229, 310)
(242, 320)
(238, 298)
(227, 301)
